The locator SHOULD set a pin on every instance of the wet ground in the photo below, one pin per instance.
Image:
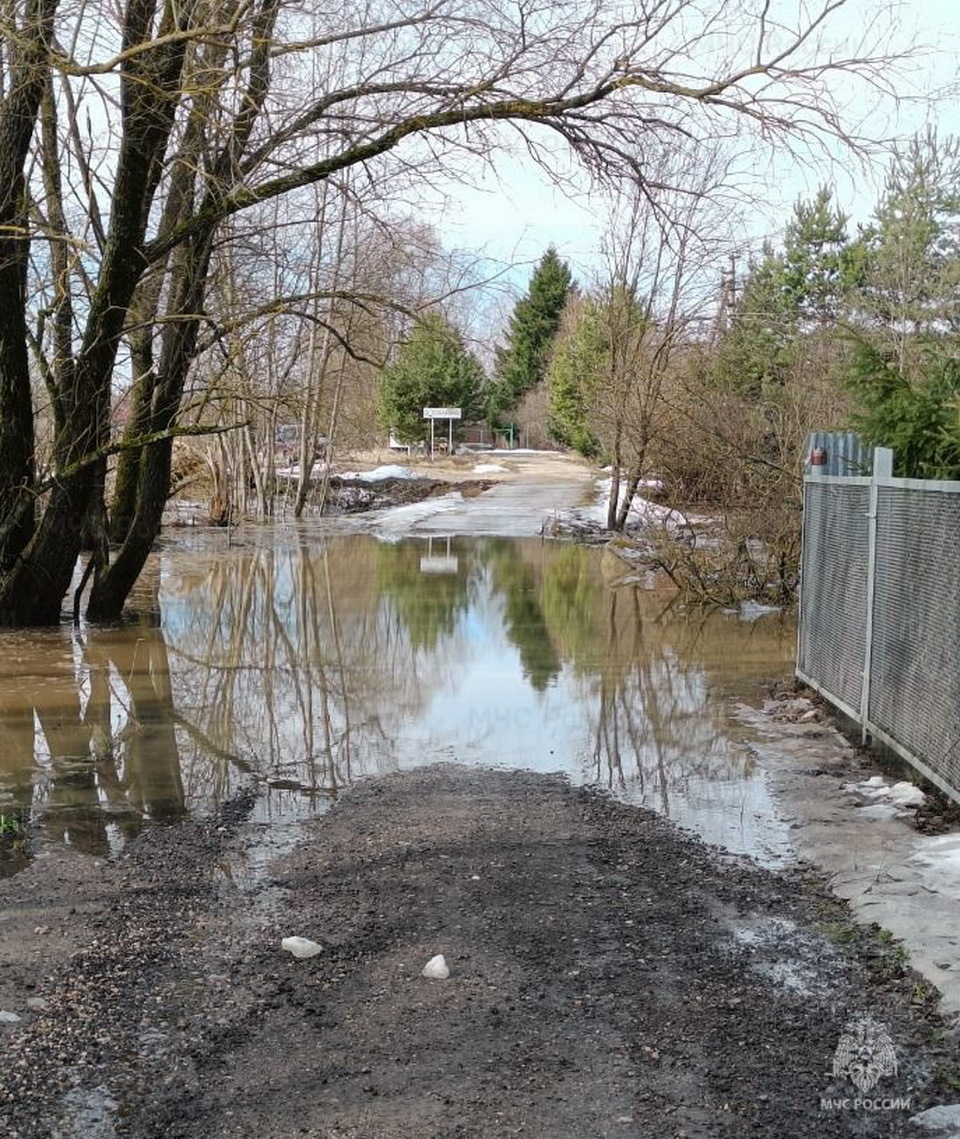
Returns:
(287, 706)
(608, 977)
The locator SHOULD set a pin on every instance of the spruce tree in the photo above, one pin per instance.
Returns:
(433, 369)
(522, 363)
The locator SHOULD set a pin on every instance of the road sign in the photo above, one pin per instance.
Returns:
(442, 413)
(440, 565)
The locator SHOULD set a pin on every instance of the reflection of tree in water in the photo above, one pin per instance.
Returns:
(284, 657)
(86, 734)
(572, 604)
(428, 604)
(526, 627)
(656, 726)
(648, 668)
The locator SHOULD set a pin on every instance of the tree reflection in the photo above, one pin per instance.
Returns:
(86, 730)
(523, 615)
(428, 603)
(311, 663)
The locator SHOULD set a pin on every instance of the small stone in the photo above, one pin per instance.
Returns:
(436, 968)
(301, 947)
(36, 1003)
(8, 1017)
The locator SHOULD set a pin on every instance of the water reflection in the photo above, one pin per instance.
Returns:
(313, 661)
(87, 742)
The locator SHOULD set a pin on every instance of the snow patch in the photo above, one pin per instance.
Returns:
(379, 474)
(488, 469)
(753, 610)
(883, 800)
(397, 522)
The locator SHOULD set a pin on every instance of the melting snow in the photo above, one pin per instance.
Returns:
(391, 471)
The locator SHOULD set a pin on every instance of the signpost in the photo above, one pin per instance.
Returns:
(439, 563)
(447, 413)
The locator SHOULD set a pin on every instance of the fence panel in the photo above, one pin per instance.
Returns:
(880, 611)
(915, 657)
(833, 606)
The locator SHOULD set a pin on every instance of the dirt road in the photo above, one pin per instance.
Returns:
(529, 489)
(609, 977)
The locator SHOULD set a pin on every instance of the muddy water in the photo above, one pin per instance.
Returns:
(305, 662)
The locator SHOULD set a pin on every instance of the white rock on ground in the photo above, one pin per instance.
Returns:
(301, 947)
(943, 1121)
(8, 1017)
(436, 968)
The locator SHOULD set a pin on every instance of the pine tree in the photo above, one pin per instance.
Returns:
(817, 268)
(788, 295)
(522, 364)
(433, 369)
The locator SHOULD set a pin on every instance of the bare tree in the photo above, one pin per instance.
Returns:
(164, 120)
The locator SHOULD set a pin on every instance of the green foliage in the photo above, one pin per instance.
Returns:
(9, 825)
(818, 267)
(788, 295)
(522, 364)
(523, 616)
(572, 376)
(910, 256)
(919, 416)
(755, 349)
(427, 605)
(596, 374)
(433, 369)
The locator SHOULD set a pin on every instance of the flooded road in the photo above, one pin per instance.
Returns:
(306, 661)
(601, 959)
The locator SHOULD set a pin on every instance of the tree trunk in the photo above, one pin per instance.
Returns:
(623, 511)
(19, 108)
(191, 265)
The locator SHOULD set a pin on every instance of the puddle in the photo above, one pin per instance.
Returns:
(306, 661)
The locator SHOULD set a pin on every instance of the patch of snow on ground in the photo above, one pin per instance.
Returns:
(643, 512)
(883, 800)
(391, 471)
(488, 469)
(519, 451)
(397, 522)
(293, 471)
(753, 610)
(939, 856)
(907, 794)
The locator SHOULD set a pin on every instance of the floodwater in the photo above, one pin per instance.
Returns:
(304, 661)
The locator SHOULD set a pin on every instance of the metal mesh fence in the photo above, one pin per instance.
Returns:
(915, 651)
(834, 589)
(911, 633)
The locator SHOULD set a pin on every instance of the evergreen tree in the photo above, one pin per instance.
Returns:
(573, 373)
(918, 417)
(522, 364)
(817, 267)
(904, 373)
(754, 352)
(911, 253)
(433, 369)
(787, 297)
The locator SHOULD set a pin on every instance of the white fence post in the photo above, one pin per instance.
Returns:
(882, 469)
